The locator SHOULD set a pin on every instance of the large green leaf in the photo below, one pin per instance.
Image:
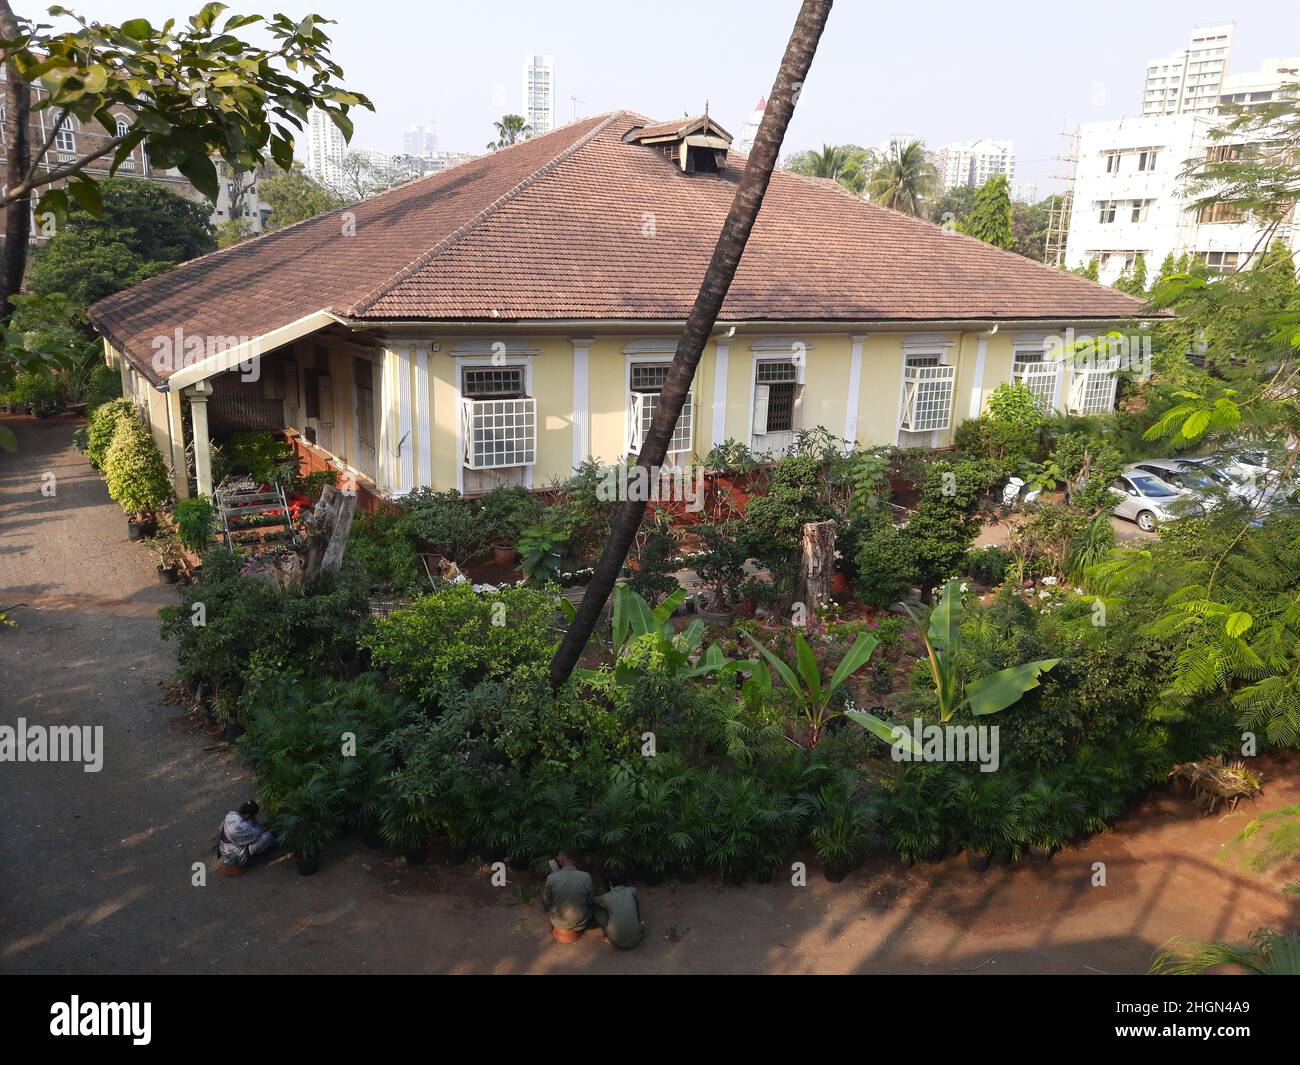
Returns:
(668, 607)
(945, 619)
(999, 690)
(857, 657)
(891, 734)
(783, 671)
(808, 668)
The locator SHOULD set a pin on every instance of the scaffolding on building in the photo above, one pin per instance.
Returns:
(1062, 200)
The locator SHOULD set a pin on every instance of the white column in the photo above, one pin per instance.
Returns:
(581, 399)
(423, 426)
(198, 396)
(977, 387)
(720, 373)
(405, 437)
(855, 389)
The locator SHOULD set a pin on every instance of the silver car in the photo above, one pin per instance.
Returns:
(1205, 480)
(1146, 499)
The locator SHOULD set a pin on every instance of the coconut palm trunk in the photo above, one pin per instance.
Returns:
(795, 64)
(17, 223)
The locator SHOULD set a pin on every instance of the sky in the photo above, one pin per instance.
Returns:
(940, 71)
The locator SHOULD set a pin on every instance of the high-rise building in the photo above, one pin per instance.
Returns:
(326, 146)
(1190, 81)
(539, 93)
(420, 142)
(749, 130)
(1262, 85)
(974, 162)
(1129, 199)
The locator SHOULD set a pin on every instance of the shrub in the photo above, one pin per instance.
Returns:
(654, 576)
(249, 624)
(772, 528)
(263, 456)
(987, 564)
(445, 522)
(1104, 463)
(723, 565)
(946, 520)
(137, 479)
(194, 522)
(102, 424)
(506, 511)
(380, 544)
(456, 635)
(884, 570)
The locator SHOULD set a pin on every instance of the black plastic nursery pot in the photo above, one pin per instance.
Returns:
(233, 730)
(169, 574)
(137, 529)
(307, 866)
(688, 874)
(651, 877)
(835, 873)
(979, 860)
(520, 863)
(416, 857)
(371, 838)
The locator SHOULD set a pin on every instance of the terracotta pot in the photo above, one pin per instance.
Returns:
(747, 607)
(505, 556)
(840, 583)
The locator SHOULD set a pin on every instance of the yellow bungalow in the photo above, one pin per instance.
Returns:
(502, 321)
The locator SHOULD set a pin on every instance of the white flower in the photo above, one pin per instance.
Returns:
(1049, 580)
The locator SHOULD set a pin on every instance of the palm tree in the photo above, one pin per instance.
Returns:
(510, 130)
(790, 78)
(829, 162)
(1269, 953)
(904, 180)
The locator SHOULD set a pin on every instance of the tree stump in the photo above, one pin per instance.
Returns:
(817, 566)
(328, 524)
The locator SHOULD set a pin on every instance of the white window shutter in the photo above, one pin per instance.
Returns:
(761, 394)
(325, 390)
(1078, 389)
(467, 430)
(636, 411)
(796, 413)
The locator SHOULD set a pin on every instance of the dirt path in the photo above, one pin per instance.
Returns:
(95, 868)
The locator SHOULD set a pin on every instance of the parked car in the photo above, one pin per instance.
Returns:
(1206, 480)
(1147, 499)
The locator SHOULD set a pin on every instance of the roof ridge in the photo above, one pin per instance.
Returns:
(416, 265)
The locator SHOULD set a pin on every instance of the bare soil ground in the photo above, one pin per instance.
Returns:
(97, 869)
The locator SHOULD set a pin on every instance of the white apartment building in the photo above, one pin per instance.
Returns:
(1260, 86)
(420, 142)
(326, 146)
(539, 93)
(1190, 81)
(1128, 199)
(974, 162)
(749, 130)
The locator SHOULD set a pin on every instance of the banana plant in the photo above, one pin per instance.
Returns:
(633, 618)
(986, 695)
(804, 680)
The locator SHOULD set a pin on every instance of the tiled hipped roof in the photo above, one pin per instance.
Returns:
(577, 224)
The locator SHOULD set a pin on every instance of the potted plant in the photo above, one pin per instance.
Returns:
(762, 594)
(504, 513)
(722, 568)
(137, 479)
(307, 820)
(167, 550)
(988, 812)
(445, 523)
(842, 824)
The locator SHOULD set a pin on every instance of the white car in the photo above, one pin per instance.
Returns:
(1147, 499)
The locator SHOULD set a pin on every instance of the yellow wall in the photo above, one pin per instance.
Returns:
(433, 450)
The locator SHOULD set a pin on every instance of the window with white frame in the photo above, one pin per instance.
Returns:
(776, 398)
(498, 418)
(1139, 211)
(1092, 390)
(927, 392)
(1106, 211)
(1031, 368)
(65, 139)
(646, 383)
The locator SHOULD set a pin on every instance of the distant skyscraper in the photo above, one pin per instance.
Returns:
(1190, 81)
(750, 129)
(420, 142)
(539, 93)
(325, 148)
(974, 162)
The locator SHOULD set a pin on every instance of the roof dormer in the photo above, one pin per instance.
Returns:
(698, 145)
